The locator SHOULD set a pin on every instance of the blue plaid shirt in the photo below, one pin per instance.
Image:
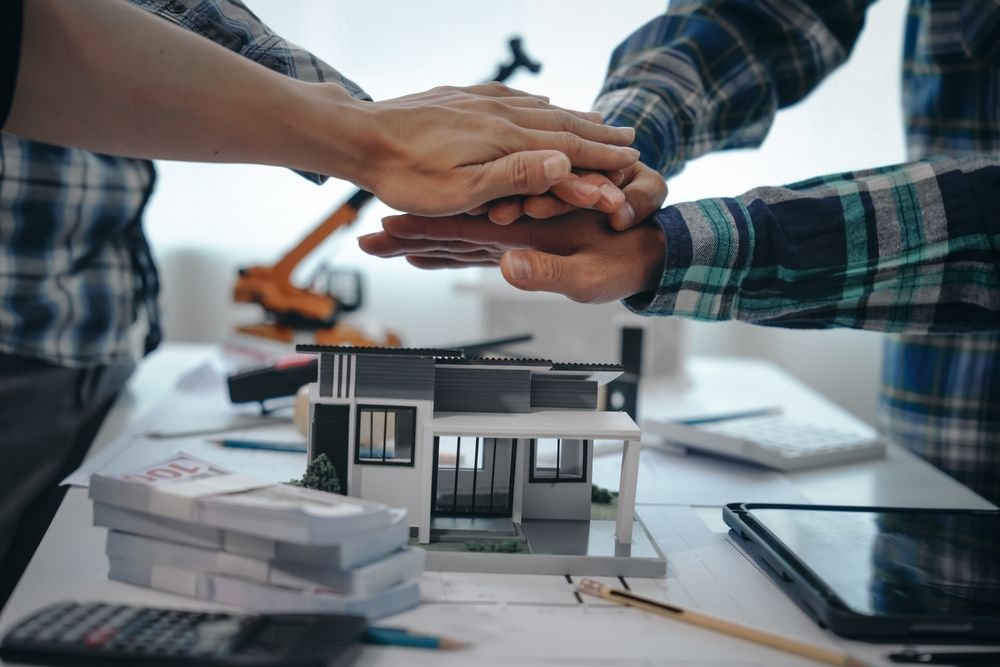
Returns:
(76, 273)
(908, 248)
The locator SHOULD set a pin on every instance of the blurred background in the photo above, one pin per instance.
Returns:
(205, 221)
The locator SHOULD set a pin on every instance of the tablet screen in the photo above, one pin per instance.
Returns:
(897, 562)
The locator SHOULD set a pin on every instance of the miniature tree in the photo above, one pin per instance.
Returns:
(320, 475)
(600, 495)
(501, 547)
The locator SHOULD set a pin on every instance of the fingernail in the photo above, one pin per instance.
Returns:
(626, 215)
(612, 195)
(631, 152)
(519, 267)
(555, 167)
(584, 189)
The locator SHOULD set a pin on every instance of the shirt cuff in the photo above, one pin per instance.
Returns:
(709, 247)
(653, 115)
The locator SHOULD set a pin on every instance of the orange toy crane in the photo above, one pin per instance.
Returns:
(317, 307)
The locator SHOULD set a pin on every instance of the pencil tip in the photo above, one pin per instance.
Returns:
(448, 644)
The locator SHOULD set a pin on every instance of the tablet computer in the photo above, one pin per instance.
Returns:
(881, 574)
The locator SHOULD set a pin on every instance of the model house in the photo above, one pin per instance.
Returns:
(478, 444)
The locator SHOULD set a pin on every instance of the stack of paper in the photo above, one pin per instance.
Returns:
(186, 526)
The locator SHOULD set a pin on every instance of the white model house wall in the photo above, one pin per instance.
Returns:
(555, 500)
(398, 485)
(357, 382)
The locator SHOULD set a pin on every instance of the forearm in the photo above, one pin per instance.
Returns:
(913, 248)
(711, 74)
(231, 24)
(208, 105)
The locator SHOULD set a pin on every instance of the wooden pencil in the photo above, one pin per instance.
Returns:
(719, 624)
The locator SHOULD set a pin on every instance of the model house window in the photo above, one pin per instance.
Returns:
(559, 460)
(461, 453)
(385, 435)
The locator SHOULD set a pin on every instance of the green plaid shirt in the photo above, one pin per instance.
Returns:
(907, 248)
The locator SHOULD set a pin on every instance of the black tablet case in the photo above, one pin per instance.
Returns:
(820, 602)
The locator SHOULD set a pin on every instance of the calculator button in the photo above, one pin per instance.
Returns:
(100, 637)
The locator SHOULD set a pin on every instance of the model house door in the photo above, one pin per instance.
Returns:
(473, 476)
(331, 430)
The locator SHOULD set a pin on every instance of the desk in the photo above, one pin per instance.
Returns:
(535, 620)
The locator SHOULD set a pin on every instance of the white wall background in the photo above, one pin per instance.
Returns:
(206, 220)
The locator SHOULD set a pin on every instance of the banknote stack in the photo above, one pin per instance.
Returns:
(186, 526)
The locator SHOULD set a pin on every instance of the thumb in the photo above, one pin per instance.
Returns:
(535, 271)
(523, 173)
(643, 197)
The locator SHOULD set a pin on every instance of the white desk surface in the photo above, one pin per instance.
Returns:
(536, 620)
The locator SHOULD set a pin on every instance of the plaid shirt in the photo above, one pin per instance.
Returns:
(76, 273)
(908, 248)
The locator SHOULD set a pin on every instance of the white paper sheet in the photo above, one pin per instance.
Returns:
(539, 621)
(201, 406)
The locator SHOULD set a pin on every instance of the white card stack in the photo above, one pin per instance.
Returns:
(186, 526)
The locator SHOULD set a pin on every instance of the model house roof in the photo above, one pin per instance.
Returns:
(601, 373)
(587, 368)
(435, 352)
(494, 361)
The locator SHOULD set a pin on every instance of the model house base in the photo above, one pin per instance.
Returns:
(585, 548)
(492, 458)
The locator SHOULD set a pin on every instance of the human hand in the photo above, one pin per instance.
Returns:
(449, 150)
(577, 255)
(629, 196)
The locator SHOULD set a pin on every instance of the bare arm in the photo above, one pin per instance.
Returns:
(105, 76)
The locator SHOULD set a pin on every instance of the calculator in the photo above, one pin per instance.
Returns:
(773, 441)
(74, 634)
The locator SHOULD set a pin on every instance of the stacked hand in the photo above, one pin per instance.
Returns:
(451, 150)
(628, 195)
(581, 254)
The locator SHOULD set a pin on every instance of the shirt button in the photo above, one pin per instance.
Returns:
(175, 7)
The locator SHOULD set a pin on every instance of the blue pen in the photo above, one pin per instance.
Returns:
(709, 419)
(260, 445)
(404, 638)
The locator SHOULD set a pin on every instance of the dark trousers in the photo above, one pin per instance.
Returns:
(49, 416)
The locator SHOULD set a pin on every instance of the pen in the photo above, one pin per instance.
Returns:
(404, 638)
(260, 445)
(951, 658)
(232, 425)
(627, 598)
(709, 419)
